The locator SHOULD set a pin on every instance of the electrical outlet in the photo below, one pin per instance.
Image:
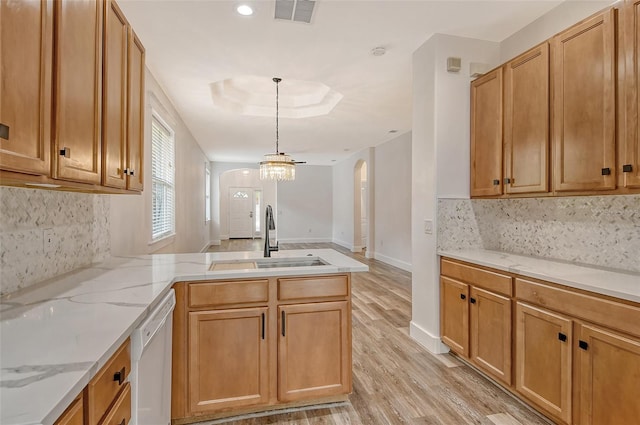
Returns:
(428, 227)
(47, 241)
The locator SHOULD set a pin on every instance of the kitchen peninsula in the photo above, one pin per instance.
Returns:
(56, 337)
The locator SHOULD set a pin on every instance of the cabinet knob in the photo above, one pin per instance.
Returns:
(507, 180)
(496, 182)
(132, 172)
(627, 168)
(606, 171)
(463, 297)
(66, 152)
(583, 345)
(4, 131)
(119, 376)
(472, 300)
(562, 337)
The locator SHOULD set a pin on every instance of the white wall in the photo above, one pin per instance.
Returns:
(556, 20)
(440, 161)
(130, 215)
(305, 206)
(343, 198)
(393, 202)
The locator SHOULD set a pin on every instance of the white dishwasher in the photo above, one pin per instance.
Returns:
(151, 366)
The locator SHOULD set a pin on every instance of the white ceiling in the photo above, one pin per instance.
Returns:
(192, 44)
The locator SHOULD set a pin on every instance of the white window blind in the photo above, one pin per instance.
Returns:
(163, 180)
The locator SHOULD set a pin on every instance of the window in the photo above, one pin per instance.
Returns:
(162, 180)
(207, 194)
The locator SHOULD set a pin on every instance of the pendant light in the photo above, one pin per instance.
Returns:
(277, 166)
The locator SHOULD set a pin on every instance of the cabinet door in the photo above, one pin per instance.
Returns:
(526, 122)
(74, 415)
(630, 146)
(114, 113)
(78, 91)
(135, 111)
(584, 109)
(491, 333)
(228, 359)
(486, 134)
(543, 360)
(314, 350)
(454, 315)
(25, 85)
(609, 377)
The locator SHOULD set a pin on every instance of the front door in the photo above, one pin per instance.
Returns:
(241, 212)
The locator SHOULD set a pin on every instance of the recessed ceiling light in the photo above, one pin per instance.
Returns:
(244, 10)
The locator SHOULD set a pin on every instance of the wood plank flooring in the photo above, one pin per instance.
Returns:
(396, 380)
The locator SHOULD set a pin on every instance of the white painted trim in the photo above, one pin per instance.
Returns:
(305, 240)
(428, 341)
(224, 237)
(356, 248)
(343, 243)
(216, 242)
(393, 261)
(369, 254)
(205, 248)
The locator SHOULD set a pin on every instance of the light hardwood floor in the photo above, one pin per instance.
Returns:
(396, 380)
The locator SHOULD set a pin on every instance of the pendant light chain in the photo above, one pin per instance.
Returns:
(277, 166)
(277, 81)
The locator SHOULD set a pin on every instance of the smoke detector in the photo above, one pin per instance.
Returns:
(378, 51)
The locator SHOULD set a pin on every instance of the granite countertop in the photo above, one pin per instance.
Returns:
(54, 338)
(615, 283)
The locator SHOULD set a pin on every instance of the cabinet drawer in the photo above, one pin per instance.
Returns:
(104, 387)
(481, 278)
(313, 287)
(228, 292)
(619, 316)
(120, 412)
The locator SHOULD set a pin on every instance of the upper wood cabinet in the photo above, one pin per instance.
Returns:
(135, 113)
(78, 91)
(584, 105)
(526, 122)
(486, 134)
(26, 34)
(630, 144)
(114, 96)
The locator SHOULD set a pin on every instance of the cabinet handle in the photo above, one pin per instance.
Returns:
(473, 300)
(119, 376)
(606, 171)
(126, 171)
(132, 172)
(562, 337)
(283, 324)
(583, 345)
(507, 180)
(66, 152)
(496, 182)
(627, 168)
(463, 297)
(4, 131)
(262, 325)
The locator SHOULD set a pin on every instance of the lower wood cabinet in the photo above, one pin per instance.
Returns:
(247, 345)
(609, 365)
(491, 333)
(544, 359)
(74, 415)
(314, 355)
(228, 359)
(575, 357)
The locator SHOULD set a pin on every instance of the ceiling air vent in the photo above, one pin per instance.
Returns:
(295, 10)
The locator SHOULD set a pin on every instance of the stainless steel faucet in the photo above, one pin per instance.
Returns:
(269, 225)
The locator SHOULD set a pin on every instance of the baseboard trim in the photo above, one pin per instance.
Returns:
(428, 341)
(206, 247)
(393, 261)
(304, 240)
(216, 242)
(343, 244)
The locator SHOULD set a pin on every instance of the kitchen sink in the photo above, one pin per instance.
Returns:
(267, 263)
(290, 262)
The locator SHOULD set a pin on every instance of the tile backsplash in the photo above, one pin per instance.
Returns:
(78, 225)
(598, 230)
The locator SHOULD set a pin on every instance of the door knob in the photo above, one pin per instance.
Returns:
(251, 214)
